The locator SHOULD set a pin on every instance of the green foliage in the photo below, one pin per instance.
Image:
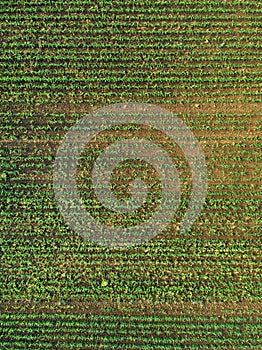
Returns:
(60, 60)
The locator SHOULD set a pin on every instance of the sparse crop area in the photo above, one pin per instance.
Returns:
(59, 62)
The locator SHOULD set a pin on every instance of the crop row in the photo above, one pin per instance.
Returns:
(130, 292)
(59, 118)
(137, 10)
(94, 328)
(222, 189)
(103, 75)
(168, 324)
(178, 16)
(117, 86)
(64, 69)
(36, 163)
(253, 77)
(206, 265)
(132, 319)
(78, 69)
(163, 3)
(101, 97)
(164, 30)
(47, 191)
(116, 343)
(140, 43)
(144, 335)
(155, 28)
(150, 55)
(190, 35)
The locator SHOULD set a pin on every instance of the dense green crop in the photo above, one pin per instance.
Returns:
(60, 61)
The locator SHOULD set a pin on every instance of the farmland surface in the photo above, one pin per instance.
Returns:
(59, 62)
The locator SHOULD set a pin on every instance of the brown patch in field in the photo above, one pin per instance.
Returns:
(142, 308)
